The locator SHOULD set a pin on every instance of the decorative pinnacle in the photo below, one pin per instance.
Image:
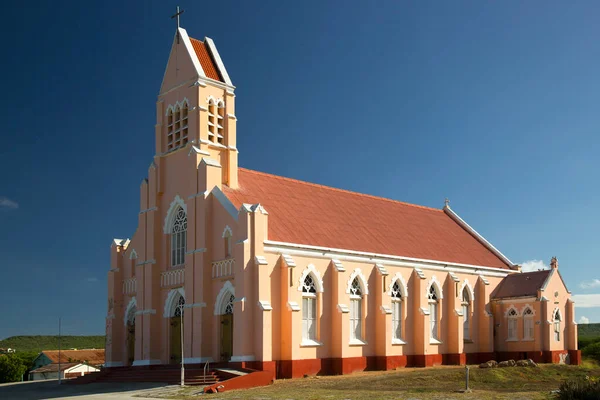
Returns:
(446, 202)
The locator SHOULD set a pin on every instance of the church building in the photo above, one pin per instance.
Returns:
(265, 272)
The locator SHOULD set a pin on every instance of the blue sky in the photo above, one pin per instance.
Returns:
(493, 105)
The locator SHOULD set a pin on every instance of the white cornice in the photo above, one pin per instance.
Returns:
(272, 246)
(477, 236)
(218, 61)
(192, 53)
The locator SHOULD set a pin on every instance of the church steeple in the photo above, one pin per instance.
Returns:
(196, 104)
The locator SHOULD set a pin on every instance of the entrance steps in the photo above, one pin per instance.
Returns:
(168, 374)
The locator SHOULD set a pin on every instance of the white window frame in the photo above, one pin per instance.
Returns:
(466, 309)
(179, 238)
(397, 314)
(528, 325)
(556, 324)
(310, 331)
(433, 299)
(356, 333)
(512, 325)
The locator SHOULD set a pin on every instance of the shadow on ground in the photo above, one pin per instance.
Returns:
(52, 390)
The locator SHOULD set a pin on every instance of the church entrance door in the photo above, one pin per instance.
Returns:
(175, 340)
(226, 336)
(130, 342)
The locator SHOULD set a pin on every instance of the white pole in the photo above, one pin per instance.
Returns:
(182, 359)
(59, 378)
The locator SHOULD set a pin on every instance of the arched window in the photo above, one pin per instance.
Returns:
(556, 322)
(212, 120)
(179, 238)
(466, 309)
(170, 129)
(220, 122)
(528, 324)
(396, 311)
(309, 309)
(178, 312)
(434, 314)
(512, 324)
(356, 310)
(227, 242)
(229, 305)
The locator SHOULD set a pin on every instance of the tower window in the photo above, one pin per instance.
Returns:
(220, 123)
(177, 126)
(528, 324)
(212, 120)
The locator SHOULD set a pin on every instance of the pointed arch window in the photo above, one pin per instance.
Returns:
(528, 324)
(212, 120)
(396, 311)
(309, 309)
(556, 324)
(177, 126)
(356, 297)
(466, 309)
(229, 305)
(434, 313)
(179, 238)
(178, 312)
(512, 324)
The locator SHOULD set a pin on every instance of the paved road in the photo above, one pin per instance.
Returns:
(51, 390)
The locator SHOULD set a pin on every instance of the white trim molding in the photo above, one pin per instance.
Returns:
(197, 360)
(264, 305)
(289, 260)
(438, 287)
(218, 61)
(477, 236)
(191, 52)
(137, 363)
(133, 255)
(357, 273)
(512, 307)
(242, 358)
(402, 283)
(171, 213)
(131, 309)
(381, 269)
(227, 232)
(293, 306)
(467, 285)
(339, 267)
(343, 308)
(311, 270)
(340, 255)
(526, 306)
(171, 301)
(261, 260)
(385, 309)
(227, 288)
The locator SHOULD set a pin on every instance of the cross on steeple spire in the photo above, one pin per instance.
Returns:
(176, 15)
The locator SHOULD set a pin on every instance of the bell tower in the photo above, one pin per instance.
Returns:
(196, 105)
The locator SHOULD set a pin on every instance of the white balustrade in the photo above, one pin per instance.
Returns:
(172, 277)
(129, 286)
(223, 268)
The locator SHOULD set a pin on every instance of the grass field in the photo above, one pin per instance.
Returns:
(418, 383)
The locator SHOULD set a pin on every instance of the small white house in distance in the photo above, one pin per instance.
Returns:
(68, 370)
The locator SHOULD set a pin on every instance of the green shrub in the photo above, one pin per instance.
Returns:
(581, 389)
(11, 368)
(592, 351)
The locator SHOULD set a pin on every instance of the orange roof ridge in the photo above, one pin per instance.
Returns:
(341, 190)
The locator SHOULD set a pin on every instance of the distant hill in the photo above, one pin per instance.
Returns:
(39, 343)
(588, 330)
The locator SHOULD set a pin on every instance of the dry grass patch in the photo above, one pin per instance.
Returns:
(417, 383)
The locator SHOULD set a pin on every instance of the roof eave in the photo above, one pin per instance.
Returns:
(477, 236)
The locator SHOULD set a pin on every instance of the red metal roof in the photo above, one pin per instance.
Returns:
(311, 214)
(521, 285)
(90, 356)
(206, 61)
